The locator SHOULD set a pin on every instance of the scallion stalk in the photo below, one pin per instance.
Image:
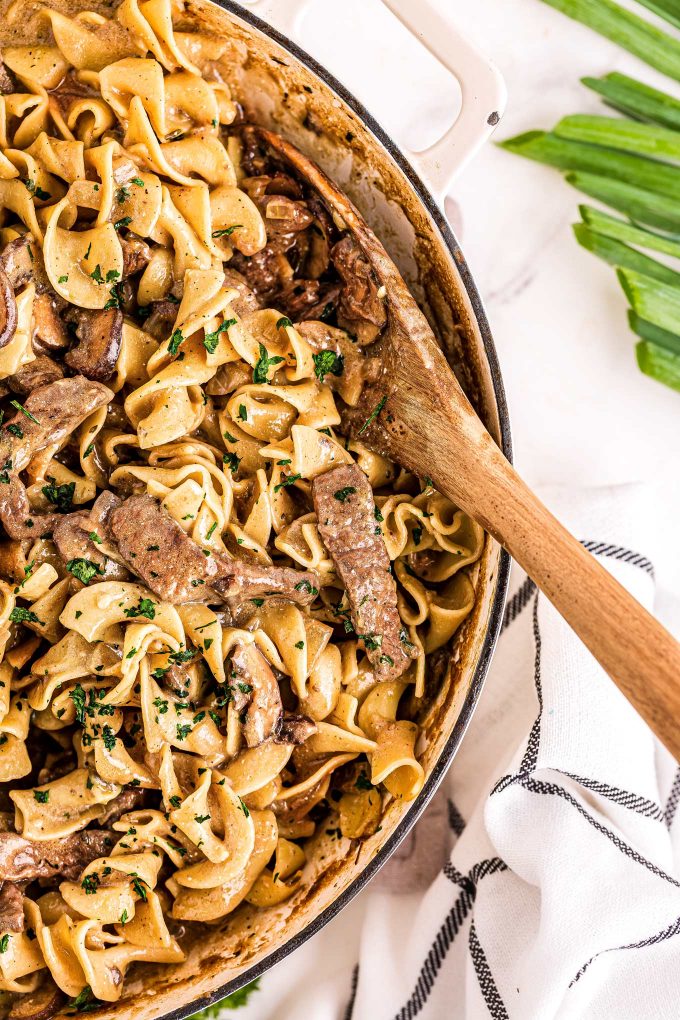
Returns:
(636, 99)
(638, 171)
(652, 301)
(669, 10)
(633, 33)
(659, 363)
(622, 256)
(621, 230)
(648, 331)
(642, 206)
(621, 134)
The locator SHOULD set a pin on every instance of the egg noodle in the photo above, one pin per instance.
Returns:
(119, 138)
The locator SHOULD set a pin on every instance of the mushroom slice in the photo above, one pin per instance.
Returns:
(8, 309)
(100, 334)
(254, 674)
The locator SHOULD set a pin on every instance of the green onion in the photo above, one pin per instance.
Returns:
(639, 100)
(648, 331)
(621, 255)
(632, 33)
(659, 363)
(666, 9)
(638, 171)
(638, 204)
(655, 302)
(621, 134)
(621, 230)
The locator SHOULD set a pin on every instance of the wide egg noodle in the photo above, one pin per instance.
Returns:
(224, 409)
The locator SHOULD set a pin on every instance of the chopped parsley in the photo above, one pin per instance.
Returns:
(342, 495)
(201, 818)
(307, 587)
(83, 569)
(4, 943)
(96, 274)
(63, 279)
(176, 340)
(175, 801)
(60, 496)
(264, 364)
(363, 783)
(14, 430)
(124, 222)
(42, 796)
(227, 231)
(243, 412)
(287, 480)
(417, 534)
(283, 323)
(232, 460)
(90, 883)
(21, 615)
(373, 415)
(211, 340)
(146, 607)
(77, 696)
(327, 362)
(257, 602)
(372, 641)
(20, 407)
(183, 731)
(139, 887)
(94, 537)
(300, 644)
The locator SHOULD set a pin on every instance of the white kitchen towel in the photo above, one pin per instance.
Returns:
(544, 880)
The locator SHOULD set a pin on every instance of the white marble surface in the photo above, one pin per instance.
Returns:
(582, 414)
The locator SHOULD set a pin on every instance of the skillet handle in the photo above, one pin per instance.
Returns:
(483, 94)
(482, 87)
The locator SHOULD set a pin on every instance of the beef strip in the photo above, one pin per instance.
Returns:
(247, 301)
(136, 255)
(72, 538)
(345, 511)
(161, 320)
(11, 907)
(264, 709)
(6, 84)
(128, 800)
(40, 372)
(173, 566)
(294, 729)
(51, 413)
(308, 299)
(100, 334)
(27, 859)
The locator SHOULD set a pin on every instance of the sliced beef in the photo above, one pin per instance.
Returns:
(294, 729)
(157, 549)
(8, 310)
(27, 859)
(348, 376)
(343, 500)
(6, 84)
(11, 907)
(51, 413)
(308, 299)
(240, 581)
(361, 310)
(173, 566)
(40, 372)
(161, 319)
(264, 707)
(128, 800)
(247, 300)
(265, 272)
(136, 255)
(100, 334)
(72, 538)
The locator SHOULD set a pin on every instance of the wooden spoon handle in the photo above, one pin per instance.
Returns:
(637, 652)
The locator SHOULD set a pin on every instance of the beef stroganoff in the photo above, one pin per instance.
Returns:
(215, 610)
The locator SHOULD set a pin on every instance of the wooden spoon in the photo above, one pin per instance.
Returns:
(417, 415)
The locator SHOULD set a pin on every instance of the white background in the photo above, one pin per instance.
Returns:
(582, 414)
